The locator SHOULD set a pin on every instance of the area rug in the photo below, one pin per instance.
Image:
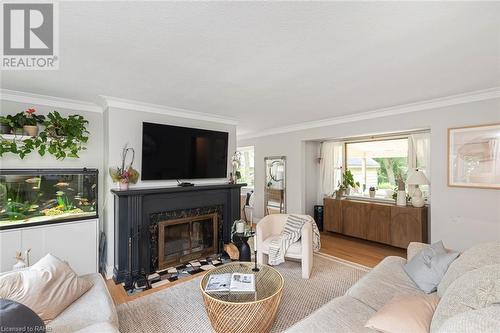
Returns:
(180, 308)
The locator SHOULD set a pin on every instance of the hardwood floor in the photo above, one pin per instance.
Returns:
(357, 250)
(348, 248)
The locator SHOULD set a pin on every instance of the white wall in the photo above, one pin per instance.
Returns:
(460, 217)
(125, 126)
(92, 157)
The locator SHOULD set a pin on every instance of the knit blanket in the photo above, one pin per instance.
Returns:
(291, 234)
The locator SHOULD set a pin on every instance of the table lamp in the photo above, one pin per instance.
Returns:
(417, 178)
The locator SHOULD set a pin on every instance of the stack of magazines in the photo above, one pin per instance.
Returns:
(231, 282)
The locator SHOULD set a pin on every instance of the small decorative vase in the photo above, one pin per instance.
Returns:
(372, 194)
(401, 198)
(20, 263)
(123, 186)
(348, 191)
(31, 130)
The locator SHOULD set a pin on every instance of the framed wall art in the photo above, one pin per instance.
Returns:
(474, 156)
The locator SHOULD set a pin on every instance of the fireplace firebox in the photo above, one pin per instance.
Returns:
(185, 239)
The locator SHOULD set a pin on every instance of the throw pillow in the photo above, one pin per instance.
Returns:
(48, 287)
(474, 290)
(486, 320)
(16, 317)
(477, 256)
(428, 267)
(412, 314)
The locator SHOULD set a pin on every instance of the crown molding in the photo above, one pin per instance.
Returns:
(127, 104)
(58, 102)
(474, 96)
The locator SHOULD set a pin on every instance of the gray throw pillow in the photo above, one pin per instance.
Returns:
(16, 317)
(428, 267)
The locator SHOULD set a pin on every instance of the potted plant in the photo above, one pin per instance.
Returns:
(30, 122)
(16, 123)
(64, 136)
(347, 183)
(124, 175)
(5, 125)
(372, 191)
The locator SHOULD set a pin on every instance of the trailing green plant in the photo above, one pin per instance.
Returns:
(62, 137)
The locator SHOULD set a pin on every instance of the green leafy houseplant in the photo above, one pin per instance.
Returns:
(5, 125)
(16, 122)
(63, 136)
(347, 182)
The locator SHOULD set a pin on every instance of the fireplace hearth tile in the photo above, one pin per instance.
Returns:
(171, 274)
(196, 271)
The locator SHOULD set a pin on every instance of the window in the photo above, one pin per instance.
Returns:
(377, 163)
(247, 166)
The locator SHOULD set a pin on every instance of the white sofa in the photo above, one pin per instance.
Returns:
(271, 226)
(94, 311)
(349, 313)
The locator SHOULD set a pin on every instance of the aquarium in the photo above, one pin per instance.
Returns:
(43, 196)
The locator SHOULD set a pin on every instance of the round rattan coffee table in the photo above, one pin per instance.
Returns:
(244, 312)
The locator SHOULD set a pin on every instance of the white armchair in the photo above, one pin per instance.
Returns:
(271, 227)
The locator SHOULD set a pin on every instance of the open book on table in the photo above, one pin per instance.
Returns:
(234, 282)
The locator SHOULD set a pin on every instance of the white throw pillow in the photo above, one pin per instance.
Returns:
(48, 287)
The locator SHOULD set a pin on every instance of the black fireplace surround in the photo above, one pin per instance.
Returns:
(135, 208)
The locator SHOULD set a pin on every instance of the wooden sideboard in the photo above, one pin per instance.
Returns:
(380, 222)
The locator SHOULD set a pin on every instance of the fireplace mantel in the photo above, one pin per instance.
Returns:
(134, 207)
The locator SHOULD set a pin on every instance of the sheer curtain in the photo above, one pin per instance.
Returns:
(419, 156)
(330, 166)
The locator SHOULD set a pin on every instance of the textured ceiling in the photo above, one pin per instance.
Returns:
(271, 64)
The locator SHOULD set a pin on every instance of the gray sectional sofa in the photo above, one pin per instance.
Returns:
(350, 312)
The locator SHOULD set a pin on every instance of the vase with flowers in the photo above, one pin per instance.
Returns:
(125, 174)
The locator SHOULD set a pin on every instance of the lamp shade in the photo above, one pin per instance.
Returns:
(417, 178)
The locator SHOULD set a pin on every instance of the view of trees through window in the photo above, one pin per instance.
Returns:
(377, 163)
(390, 170)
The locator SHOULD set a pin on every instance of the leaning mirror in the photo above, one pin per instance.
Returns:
(275, 186)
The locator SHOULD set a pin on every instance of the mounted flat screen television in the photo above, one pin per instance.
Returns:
(173, 152)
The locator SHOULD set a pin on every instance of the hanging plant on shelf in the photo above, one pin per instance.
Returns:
(125, 174)
(63, 136)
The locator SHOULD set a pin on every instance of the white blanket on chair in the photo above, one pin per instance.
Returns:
(291, 234)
